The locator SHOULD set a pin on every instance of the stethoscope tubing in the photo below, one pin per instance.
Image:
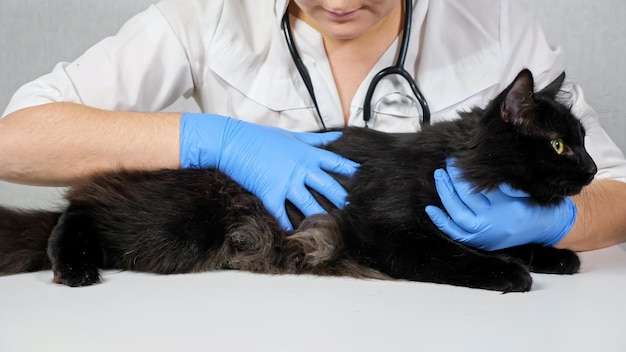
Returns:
(397, 68)
(297, 60)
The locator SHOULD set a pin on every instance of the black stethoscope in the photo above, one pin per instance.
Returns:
(397, 68)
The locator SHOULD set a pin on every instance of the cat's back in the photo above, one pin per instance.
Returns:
(397, 168)
(148, 187)
(364, 144)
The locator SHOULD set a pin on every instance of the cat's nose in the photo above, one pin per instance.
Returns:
(591, 172)
(588, 166)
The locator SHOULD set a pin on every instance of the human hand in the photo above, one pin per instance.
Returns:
(497, 219)
(274, 164)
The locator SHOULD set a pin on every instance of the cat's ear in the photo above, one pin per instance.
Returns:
(552, 89)
(518, 104)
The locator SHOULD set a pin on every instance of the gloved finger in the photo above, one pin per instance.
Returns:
(317, 139)
(332, 162)
(465, 190)
(446, 225)
(327, 186)
(504, 194)
(512, 192)
(450, 161)
(281, 215)
(460, 213)
(304, 201)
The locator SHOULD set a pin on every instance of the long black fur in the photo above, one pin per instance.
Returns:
(177, 221)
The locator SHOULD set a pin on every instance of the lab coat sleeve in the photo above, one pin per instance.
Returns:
(524, 45)
(607, 155)
(143, 67)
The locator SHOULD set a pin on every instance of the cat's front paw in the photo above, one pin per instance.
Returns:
(508, 277)
(555, 261)
(545, 260)
(76, 276)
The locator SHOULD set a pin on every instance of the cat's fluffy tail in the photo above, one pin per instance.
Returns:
(24, 240)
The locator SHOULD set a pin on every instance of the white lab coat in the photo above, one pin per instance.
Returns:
(231, 57)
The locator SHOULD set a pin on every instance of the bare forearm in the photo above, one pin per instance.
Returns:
(601, 218)
(58, 143)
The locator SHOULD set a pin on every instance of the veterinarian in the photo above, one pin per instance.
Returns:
(101, 111)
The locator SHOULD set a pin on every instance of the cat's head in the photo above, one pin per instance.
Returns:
(541, 148)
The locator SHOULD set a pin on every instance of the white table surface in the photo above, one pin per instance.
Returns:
(236, 311)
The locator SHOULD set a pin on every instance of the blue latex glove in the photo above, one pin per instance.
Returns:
(272, 163)
(502, 218)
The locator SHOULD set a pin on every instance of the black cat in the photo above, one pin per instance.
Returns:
(175, 221)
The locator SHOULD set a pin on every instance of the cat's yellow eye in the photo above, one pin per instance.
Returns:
(558, 145)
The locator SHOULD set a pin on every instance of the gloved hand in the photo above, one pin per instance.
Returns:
(502, 218)
(272, 163)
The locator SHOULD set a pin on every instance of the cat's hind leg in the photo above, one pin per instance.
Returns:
(317, 248)
(74, 249)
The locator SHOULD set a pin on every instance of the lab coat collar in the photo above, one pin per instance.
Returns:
(280, 6)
